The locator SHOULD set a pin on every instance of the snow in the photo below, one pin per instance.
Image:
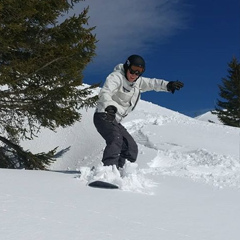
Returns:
(185, 184)
(208, 116)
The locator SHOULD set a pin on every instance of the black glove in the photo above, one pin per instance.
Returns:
(110, 113)
(174, 85)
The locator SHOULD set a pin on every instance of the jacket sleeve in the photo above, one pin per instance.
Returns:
(149, 84)
(110, 86)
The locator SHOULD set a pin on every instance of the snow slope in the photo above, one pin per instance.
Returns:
(209, 117)
(186, 185)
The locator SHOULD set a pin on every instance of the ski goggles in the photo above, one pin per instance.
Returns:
(136, 70)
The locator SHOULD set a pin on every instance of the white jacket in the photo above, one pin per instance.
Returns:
(124, 95)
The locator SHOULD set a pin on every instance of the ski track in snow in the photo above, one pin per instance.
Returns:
(182, 161)
(171, 157)
(165, 148)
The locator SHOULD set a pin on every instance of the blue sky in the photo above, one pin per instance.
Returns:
(185, 40)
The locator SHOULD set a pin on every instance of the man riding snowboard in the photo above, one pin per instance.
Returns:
(118, 97)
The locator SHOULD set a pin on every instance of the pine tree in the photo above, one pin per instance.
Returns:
(41, 68)
(228, 111)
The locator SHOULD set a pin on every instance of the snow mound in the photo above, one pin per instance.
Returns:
(216, 169)
(127, 179)
(209, 117)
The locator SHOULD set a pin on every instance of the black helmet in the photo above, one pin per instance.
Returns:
(134, 60)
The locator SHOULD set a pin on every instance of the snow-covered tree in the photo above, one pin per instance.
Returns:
(41, 65)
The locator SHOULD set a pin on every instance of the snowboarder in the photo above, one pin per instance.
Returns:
(117, 98)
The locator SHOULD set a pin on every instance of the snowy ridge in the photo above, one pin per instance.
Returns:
(209, 117)
(175, 158)
(169, 143)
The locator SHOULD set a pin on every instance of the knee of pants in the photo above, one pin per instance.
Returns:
(133, 153)
(114, 140)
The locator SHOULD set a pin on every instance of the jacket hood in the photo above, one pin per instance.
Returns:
(119, 68)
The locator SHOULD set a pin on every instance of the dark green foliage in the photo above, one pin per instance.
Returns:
(13, 156)
(228, 110)
(41, 65)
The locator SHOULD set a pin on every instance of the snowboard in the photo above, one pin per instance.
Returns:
(102, 184)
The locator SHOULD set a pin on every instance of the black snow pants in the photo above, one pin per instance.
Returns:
(120, 144)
